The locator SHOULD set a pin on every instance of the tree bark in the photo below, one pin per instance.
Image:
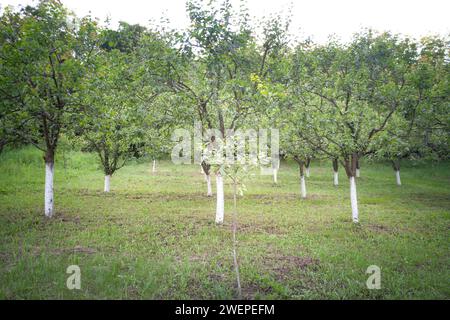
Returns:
(206, 168)
(350, 163)
(275, 176)
(354, 200)
(396, 166)
(308, 163)
(335, 172)
(208, 185)
(397, 177)
(220, 205)
(358, 173)
(107, 183)
(303, 187)
(48, 198)
(301, 166)
(154, 166)
(49, 159)
(275, 168)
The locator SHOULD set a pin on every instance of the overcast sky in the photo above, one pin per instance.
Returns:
(315, 18)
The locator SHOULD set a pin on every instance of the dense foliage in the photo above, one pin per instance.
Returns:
(120, 92)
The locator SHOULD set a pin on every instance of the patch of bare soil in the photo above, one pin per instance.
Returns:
(164, 197)
(172, 233)
(258, 228)
(214, 277)
(251, 290)
(133, 292)
(76, 249)
(282, 266)
(285, 196)
(150, 196)
(65, 218)
(270, 198)
(203, 258)
(4, 257)
(380, 228)
(59, 251)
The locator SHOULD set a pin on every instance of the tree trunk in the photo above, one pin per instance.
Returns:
(48, 198)
(354, 200)
(397, 176)
(275, 176)
(275, 168)
(220, 206)
(205, 169)
(301, 166)
(396, 166)
(335, 172)
(308, 162)
(358, 174)
(107, 183)
(49, 159)
(154, 166)
(303, 187)
(208, 184)
(302, 180)
(350, 163)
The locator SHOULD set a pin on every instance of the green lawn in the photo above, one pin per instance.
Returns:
(154, 236)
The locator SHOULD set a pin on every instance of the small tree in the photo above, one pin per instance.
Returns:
(298, 149)
(234, 159)
(113, 120)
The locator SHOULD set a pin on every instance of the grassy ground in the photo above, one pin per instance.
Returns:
(154, 236)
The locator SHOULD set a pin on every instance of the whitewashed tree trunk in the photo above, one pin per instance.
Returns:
(107, 183)
(220, 206)
(397, 177)
(354, 199)
(275, 176)
(335, 171)
(48, 198)
(307, 172)
(208, 184)
(154, 166)
(303, 187)
(358, 173)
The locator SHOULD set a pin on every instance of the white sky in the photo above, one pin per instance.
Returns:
(315, 18)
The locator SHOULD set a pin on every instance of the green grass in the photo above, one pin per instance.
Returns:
(154, 237)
